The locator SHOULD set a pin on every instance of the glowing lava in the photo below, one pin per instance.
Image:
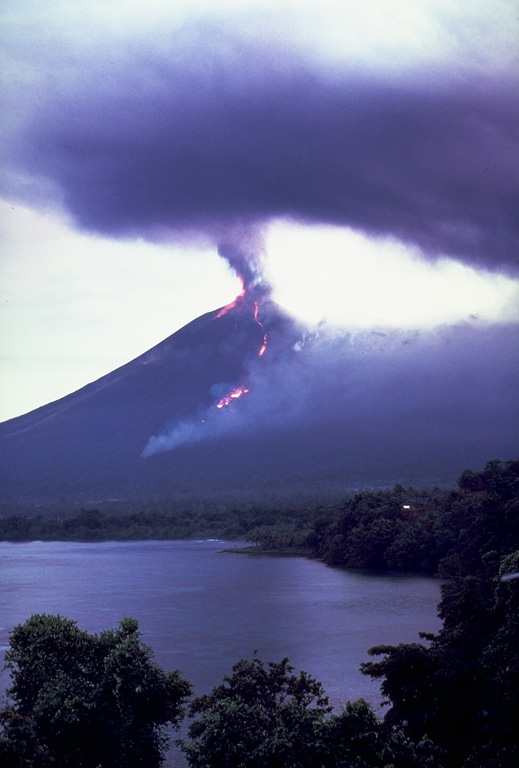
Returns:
(234, 395)
(263, 347)
(230, 306)
(238, 392)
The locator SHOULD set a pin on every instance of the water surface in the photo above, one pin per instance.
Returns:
(202, 609)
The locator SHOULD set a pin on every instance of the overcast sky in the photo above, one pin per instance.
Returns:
(366, 153)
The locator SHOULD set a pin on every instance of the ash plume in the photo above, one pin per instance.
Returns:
(246, 257)
(139, 142)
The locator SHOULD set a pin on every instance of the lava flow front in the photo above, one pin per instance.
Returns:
(234, 395)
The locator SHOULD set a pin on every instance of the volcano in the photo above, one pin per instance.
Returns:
(89, 444)
(244, 400)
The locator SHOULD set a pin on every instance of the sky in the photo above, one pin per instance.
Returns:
(365, 157)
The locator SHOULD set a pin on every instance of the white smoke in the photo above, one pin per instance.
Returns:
(380, 386)
(212, 423)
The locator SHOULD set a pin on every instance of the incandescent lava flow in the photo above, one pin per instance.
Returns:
(243, 300)
(249, 268)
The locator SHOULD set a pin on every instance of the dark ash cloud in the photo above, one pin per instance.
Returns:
(157, 145)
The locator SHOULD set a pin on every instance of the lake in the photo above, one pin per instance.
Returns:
(202, 609)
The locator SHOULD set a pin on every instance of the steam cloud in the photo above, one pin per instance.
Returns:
(379, 392)
(209, 425)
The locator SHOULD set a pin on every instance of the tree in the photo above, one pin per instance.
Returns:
(462, 690)
(271, 718)
(258, 717)
(86, 700)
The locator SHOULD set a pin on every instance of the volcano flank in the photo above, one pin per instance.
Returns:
(92, 443)
(244, 400)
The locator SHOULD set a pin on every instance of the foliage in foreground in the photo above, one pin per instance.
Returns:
(85, 700)
(462, 690)
(268, 717)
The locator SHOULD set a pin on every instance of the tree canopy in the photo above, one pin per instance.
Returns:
(269, 717)
(86, 700)
(462, 689)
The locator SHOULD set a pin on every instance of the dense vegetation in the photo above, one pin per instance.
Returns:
(453, 700)
(403, 529)
(158, 522)
(86, 700)
(271, 718)
(410, 530)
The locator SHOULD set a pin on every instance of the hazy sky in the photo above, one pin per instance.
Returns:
(367, 152)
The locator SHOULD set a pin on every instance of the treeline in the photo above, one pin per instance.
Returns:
(403, 529)
(97, 525)
(409, 530)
